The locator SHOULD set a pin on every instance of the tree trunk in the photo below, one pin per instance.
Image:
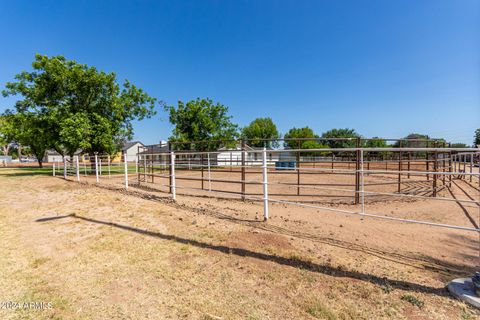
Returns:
(39, 156)
(5, 149)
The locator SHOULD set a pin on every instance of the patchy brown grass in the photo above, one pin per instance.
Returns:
(102, 254)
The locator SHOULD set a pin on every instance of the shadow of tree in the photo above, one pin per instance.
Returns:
(291, 262)
(422, 262)
(444, 269)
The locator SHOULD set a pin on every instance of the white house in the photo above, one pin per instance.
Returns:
(131, 149)
(54, 156)
(233, 157)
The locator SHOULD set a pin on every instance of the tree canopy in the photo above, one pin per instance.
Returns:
(34, 130)
(375, 142)
(258, 129)
(79, 106)
(201, 120)
(476, 138)
(7, 132)
(458, 145)
(411, 141)
(302, 133)
(341, 133)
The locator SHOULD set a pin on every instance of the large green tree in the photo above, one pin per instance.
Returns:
(33, 130)
(311, 143)
(476, 138)
(375, 142)
(458, 145)
(201, 120)
(260, 131)
(349, 134)
(7, 133)
(302, 133)
(81, 107)
(418, 140)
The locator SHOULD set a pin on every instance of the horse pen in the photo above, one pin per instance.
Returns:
(416, 205)
(331, 179)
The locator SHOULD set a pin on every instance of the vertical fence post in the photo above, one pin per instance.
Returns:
(444, 164)
(126, 169)
(152, 167)
(85, 165)
(96, 167)
(357, 173)
(243, 169)
(362, 183)
(137, 159)
(427, 162)
(450, 169)
(209, 175)
(454, 163)
(265, 185)
(108, 160)
(471, 166)
(64, 167)
(298, 168)
(54, 168)
(369, 159)
(400, 167)
(170, 169)
(202, 159)
(145, 166)
(173, 189)
(77, 166)
(408, 165)
(435, 175)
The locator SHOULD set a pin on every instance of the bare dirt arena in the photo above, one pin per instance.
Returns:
(99, 252)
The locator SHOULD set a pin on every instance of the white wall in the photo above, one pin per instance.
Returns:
(54, 158)
(223, 158)
(132, 152)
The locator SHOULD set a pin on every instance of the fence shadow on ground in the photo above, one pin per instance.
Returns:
(291, 262)
(422, 262)
(462, 206)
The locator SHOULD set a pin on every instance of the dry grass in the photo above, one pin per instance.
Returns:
(99, 254)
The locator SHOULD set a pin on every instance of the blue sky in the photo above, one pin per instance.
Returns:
(385, 68)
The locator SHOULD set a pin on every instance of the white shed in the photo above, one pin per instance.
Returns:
(131, 149)
(233, 157)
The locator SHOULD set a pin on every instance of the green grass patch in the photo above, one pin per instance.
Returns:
(413, 300)
(20, 172)
(320, 311)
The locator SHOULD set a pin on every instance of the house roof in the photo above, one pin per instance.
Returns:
(52, 152)
(128, 145)
(156, 148)
(238, 147)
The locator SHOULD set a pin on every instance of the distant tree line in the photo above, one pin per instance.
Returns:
(206, 123)
(67, 106)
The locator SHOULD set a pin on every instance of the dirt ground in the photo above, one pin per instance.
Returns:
(99, 252)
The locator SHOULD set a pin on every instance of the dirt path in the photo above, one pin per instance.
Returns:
(97, 253)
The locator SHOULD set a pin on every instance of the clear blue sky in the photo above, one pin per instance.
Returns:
(385, 68)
